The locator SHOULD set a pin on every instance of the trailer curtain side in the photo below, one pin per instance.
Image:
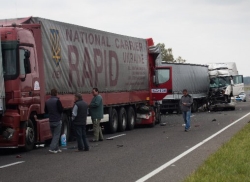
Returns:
(76, 59)
(192, 77)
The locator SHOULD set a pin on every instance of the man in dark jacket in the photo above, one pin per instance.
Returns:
(96, 112)
(79, 118)
(185, 104)
(53, 107)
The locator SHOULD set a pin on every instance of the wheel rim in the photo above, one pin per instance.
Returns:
(115, 122)
(124, 121)
(132, 121)
(30, 135)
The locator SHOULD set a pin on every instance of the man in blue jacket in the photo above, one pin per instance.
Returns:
(53, 107)
(96, 112)
(185, 104)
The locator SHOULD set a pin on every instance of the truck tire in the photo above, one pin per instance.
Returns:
(227, 98)
(29, 136)
(65, 126)
(122, 119)
(157, 115)
(170, 111)
(163, 111)
(131, 118)
(112, 125)
(179, 111)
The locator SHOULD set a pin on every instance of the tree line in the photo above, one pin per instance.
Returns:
(167, 55)
(246, 80)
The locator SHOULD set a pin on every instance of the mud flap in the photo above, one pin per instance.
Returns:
(43, 129)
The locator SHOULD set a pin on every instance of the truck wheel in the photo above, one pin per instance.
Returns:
(163, 111)
(112, 125)
(170, 111)
(131, 118)
(157, 115)
(179, 111)
(122, 120)
(227, 98)
(65, 126)
(30, 136)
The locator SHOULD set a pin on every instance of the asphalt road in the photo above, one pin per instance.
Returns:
(134, 154)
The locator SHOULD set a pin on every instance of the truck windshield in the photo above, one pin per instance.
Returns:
(220, 82)
(9, 53)
(163, 75)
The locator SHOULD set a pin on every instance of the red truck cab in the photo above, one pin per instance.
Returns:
(22, 85)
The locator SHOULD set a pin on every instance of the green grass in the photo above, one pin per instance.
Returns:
(231, 163)
(246, 88)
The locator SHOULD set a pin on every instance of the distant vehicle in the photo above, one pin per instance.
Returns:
(241, 97)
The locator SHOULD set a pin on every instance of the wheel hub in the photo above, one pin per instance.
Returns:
(29, 135)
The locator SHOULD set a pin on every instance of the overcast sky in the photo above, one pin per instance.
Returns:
(200, 31)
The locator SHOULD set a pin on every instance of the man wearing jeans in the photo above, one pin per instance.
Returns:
(185, 104)
(53, 107)
(79, 118)
(96, 112)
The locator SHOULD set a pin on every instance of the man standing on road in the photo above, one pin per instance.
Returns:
(96, 112)
(79, 118)
(185, 104)
(53, 107)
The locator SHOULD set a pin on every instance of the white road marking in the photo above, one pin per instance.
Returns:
(115, 136)
(192, 116)
(151, 174)
(12, 164)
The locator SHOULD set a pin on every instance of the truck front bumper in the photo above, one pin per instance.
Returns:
(9, 130)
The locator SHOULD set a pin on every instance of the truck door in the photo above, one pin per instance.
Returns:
(162, 83)
(2, 88)
(238, 85)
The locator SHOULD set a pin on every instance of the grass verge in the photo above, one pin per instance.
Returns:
(230, 163)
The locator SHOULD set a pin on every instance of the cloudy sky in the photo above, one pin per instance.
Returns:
(200, 31)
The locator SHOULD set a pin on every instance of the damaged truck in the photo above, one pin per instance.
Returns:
(225, 84)
(212, 86)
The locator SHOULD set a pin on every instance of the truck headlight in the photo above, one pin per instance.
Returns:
(8, 133)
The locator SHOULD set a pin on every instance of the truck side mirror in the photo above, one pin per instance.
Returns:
(27, 62)
(27, 54)
(156, 80)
